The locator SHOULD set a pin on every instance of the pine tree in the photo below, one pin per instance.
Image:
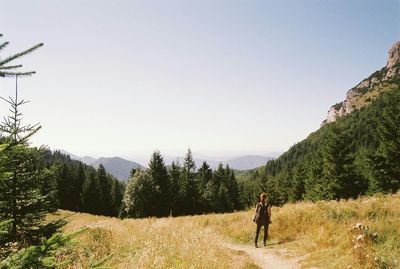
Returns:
(297, 190)
(233, 190)
(48, 188)
(91, 194)
(338, 164)
(190, 185)
(162, 197)
(283, 184)
(117, 190)
(386, 160)
(23, 175)
(5, 223)
(132, 172)
(226, 200)
(78, 185)
(212, 192)
(269, 185)
(65, 179)
(176, 199)
(249, 192)
(205, 174)
(105, 191)
(315, 186)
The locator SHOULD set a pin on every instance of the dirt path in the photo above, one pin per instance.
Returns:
(267, 258)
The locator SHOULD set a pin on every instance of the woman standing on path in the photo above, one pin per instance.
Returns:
(262, 218)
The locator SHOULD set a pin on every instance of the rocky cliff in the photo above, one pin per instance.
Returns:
(370, 88)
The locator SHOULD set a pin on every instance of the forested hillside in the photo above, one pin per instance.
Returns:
(355, 155)
(80, 187)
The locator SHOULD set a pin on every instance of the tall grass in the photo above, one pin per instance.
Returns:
(148, 243)
(320, 232)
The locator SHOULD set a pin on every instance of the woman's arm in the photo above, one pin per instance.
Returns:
(269, 211)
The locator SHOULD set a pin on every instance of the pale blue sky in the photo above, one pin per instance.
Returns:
(222, 77)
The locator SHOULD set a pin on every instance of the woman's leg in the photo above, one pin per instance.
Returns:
(257, 233)
(265, 233)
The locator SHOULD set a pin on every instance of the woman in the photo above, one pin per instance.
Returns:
(262, 217)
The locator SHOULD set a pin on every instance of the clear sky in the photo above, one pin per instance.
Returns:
(222, 77)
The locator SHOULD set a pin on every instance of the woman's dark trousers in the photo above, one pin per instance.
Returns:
(258, 232)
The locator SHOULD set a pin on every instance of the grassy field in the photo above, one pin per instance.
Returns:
(148, 243)
(322, 233)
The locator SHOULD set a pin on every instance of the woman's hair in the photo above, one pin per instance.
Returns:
(263, 195)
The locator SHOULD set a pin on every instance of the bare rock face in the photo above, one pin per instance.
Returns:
(393, 63)
(394, 55)
(334, 113)
(391, 70)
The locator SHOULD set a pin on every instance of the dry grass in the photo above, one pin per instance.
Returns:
(148, 243)
(320, 231)
(372, 94)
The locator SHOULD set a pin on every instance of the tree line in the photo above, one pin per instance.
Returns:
(159, 190)
(180, 189)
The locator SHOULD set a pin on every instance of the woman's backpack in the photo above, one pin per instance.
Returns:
(257, 214)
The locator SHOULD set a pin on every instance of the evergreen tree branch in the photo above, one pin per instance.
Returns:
(3, 45)
(13, 74)
(11, 66)
(20, 54)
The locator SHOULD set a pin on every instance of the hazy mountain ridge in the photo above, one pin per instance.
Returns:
(88, 160)
(248, 162)
(116, 166)
(369, 89)
(245, 162)
(120, 167)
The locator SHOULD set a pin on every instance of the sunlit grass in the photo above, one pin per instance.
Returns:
(149, 243)
(320, 232)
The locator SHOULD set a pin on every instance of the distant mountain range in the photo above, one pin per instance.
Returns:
(116, 166)
(120, 168)
(248, 162)
(245, 162)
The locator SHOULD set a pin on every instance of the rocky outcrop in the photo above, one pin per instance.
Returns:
(394, 55)
(355, 95)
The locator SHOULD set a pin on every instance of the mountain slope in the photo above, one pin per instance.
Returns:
(370, 88)
(116, 166)
(88, 160)
(356, 153)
